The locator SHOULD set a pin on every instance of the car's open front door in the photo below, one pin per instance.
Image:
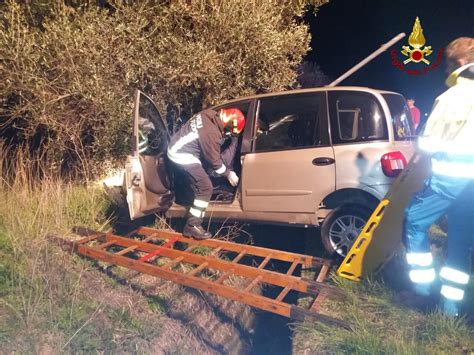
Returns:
(146, 176)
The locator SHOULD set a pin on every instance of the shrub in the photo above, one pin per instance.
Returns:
(69, 70)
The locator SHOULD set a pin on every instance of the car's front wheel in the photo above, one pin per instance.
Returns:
(341, 228)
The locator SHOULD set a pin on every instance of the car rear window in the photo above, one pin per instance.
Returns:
(356, 117)
(401, 117)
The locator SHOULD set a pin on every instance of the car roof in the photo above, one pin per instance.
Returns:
(300, 91)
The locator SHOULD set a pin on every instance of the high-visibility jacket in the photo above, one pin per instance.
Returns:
(449, 132)
(199, 139)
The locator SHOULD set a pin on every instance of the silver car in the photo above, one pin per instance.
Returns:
(319, 157)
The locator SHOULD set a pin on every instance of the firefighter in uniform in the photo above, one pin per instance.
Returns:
(448, 138)
(197, 142)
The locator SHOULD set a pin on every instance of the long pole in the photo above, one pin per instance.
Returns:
(359, 65)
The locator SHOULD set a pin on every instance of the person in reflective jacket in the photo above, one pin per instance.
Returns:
(196, 143)
(448, 138)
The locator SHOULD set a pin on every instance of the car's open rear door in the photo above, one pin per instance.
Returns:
(146, 176)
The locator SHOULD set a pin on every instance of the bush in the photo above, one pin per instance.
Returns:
(69, 70)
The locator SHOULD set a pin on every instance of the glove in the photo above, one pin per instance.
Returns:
(233, 179)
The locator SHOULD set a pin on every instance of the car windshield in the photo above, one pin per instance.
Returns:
(401, 117)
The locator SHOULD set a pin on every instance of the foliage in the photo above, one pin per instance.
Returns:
(69, 69)
(310, 75)
(380, 326)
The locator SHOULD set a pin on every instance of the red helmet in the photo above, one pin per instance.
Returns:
(234, 120)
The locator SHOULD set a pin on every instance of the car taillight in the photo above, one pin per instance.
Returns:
(393, 163)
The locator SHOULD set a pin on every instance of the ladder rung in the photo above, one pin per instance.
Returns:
(197, 270)
(317, 301)
(90, 238)
(323, 273)
(224, 276)
(283, 293)
(133, 247)
(105, 245)
(176, 261)
(265, 261)
(217, 250)
(150, 237)
(172, 263)
(322, 295)
(253, 283)
(168, 244)
(240, 256)
(127, 250)
(293, 266)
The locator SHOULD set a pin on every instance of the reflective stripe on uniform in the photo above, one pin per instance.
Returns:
(201, 203)
(221, 170)
(452, 293)
(196, 212)
(454, 169)
(454, 275)
(422, 276)
(183, 158)
(419, 259)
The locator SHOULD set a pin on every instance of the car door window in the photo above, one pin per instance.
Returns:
(401, 117)
(152, 133)
(291, 121)
(356, 117)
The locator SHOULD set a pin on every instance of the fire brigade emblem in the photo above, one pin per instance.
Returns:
(415, 51)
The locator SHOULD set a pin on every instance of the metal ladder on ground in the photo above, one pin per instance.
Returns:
(223, 268)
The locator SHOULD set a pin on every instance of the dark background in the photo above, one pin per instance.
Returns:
(346, 31)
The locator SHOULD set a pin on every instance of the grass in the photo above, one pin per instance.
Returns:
(380, 326)
(53, 302)
(47, 303)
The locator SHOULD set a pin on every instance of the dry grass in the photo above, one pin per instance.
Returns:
(51, 301)
(381, 326)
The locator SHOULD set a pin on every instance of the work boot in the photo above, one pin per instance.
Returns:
(196, 232)
(194, 229)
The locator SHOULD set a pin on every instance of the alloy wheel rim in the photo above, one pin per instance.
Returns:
(343, 232)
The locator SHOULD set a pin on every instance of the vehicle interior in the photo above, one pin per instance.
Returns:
(231, 149)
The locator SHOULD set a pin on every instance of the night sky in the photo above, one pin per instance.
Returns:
(346, 31)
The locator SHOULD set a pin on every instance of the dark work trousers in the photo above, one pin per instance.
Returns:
(440, 195)
(196, 178)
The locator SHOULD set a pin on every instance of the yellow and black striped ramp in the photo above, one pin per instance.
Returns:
(382, 234)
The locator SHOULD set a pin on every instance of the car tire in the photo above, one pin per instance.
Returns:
(341, 228)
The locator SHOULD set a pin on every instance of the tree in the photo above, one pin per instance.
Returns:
(70, 69)
(310, 75)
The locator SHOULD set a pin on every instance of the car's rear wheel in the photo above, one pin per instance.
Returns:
(341, 228)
